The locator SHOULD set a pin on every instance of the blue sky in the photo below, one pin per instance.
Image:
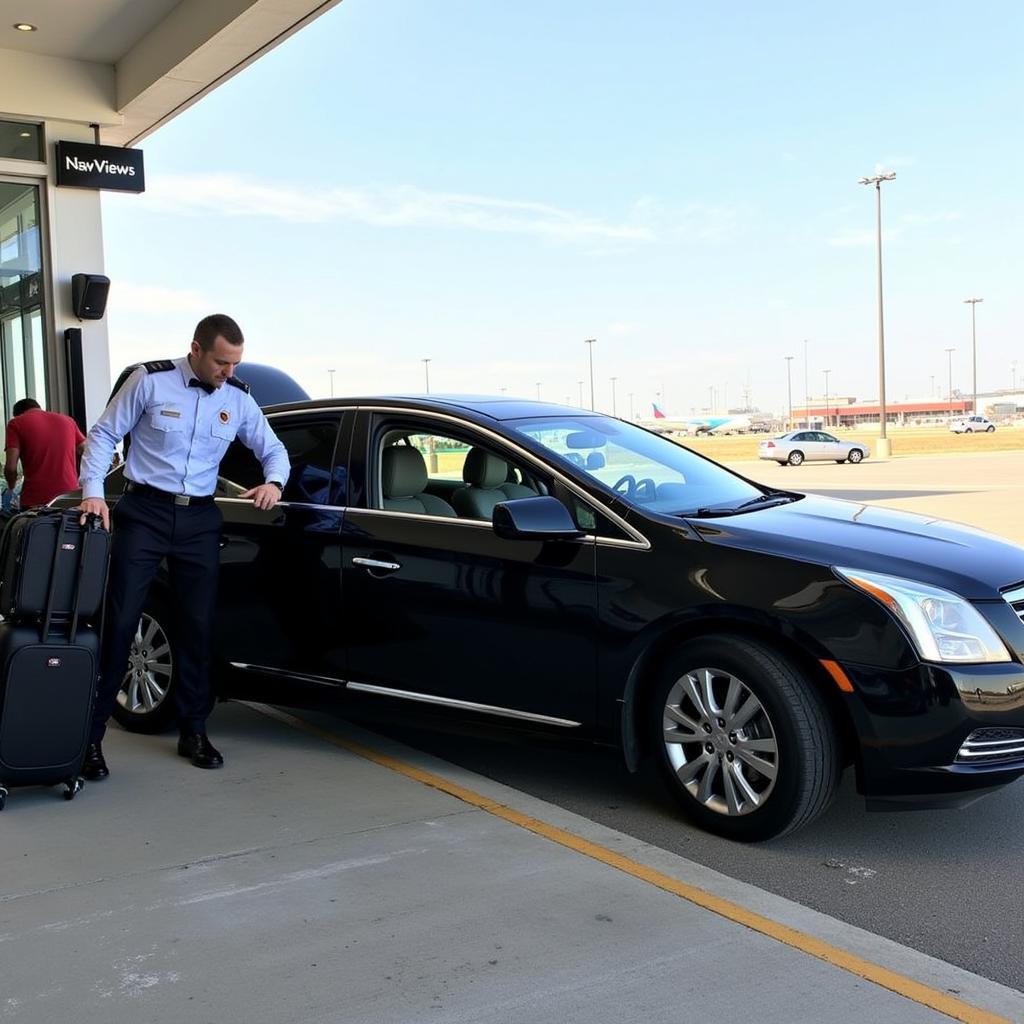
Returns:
(488, 184)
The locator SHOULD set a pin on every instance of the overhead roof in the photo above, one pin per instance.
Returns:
(131, 65)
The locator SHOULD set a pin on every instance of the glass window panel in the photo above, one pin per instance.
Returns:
(20, 141)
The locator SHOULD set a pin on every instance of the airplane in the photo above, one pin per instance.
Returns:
(715, 424)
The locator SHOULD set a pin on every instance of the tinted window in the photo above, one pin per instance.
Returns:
(310, 446)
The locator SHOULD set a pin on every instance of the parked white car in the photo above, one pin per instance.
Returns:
(972, 425)
(799, 446)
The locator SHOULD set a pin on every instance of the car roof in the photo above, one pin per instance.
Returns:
(495, 407)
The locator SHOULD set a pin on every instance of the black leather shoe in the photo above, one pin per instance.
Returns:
(94, 767)
(199, 750)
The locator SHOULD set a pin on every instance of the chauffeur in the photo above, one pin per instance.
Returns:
(182, 415)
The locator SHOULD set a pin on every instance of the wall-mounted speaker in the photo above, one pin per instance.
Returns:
(89, 295)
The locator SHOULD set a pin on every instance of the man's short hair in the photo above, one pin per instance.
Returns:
(24, 405)
(210, 327)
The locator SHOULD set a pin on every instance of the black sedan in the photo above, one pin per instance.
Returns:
(576, 573)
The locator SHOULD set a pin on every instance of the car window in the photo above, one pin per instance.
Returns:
(313, 480)
(827, 438)
(631, 463)
(450, 475)
(803, 436)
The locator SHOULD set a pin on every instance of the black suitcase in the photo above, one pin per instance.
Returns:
(48, 676)
(32, 560)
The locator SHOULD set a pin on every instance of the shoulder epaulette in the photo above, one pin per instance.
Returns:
(159, 365)
(240, 384)
(155, 366)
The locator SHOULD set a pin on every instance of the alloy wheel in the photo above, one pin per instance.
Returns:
(150, 664)
(720, 742)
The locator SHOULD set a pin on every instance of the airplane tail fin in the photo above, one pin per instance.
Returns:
(658, 414)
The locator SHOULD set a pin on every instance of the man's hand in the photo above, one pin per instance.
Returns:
(264, 497)
(98, 507)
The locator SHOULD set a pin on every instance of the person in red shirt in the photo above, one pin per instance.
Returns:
(49, 445)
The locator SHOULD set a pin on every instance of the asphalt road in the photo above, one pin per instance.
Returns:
(943, 882)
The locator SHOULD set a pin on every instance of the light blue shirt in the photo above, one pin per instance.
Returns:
(179, 433)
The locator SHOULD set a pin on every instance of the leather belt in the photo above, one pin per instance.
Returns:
(172, 499)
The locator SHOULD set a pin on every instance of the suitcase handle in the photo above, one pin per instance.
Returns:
(44, 629)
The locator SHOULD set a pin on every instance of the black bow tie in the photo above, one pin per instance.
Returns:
(195, 382)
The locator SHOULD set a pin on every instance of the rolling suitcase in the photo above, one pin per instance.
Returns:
(48, 672)
(37, 568)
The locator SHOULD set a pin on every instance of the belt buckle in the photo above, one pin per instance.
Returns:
(182, 499)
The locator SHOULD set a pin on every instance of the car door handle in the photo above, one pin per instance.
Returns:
(376, 565)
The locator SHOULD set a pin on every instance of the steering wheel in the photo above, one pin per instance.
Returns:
(646, 489)
(626, 486)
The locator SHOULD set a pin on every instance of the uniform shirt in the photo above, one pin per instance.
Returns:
(47, 444)
(179, 433)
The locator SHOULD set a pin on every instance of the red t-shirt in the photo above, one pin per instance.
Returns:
(46, 443)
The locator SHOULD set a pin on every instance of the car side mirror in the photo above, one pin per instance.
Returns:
(542, 518)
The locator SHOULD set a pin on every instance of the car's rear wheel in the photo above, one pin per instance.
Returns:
(795, 458)
(145, 702)
(855, 456)
(969, 430)
(743, 739)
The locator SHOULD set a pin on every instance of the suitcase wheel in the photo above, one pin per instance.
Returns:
(3, 797)
(73, 787)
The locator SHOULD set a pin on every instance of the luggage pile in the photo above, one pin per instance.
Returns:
(53, 573)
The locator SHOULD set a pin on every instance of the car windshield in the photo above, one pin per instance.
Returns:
(645, 468)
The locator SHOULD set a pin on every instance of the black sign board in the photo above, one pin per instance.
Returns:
(106, 167)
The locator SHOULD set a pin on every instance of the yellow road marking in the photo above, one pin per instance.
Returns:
(933, 998)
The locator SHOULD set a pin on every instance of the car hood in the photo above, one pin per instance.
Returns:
(828, 531)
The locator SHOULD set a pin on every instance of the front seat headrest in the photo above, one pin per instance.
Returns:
(403, 473)
(482, 469)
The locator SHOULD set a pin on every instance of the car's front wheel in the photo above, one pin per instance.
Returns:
(855, 456)
(743, 739)
(795, 458)
(989, 429)
(145, 702)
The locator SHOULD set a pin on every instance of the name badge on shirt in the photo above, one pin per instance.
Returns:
(173, 413)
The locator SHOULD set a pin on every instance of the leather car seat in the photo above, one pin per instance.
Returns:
(487, 485)
(403, 475)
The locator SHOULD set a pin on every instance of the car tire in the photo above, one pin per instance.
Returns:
(145, 702)
(720, 775)
(855, 456)
(968, 431)
(990, 429)
(795, 458)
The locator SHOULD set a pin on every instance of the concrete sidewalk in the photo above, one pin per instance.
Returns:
(305, 883)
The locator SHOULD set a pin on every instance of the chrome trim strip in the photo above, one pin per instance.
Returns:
(1017, 594)
(1005, 752)
(373, 563)
(282, 504)
(640, 541)
(971, 744)
(266, 670)
(480, 524)
(462, 705)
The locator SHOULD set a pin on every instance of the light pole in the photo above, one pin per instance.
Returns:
(590, 342)
(974, 356)
(426, 373)
(789, 390)
(631, 405)
(949, 355)
(580, 383)
(807, 390)
(330, 376)
(613, 379)
(884, 448)
(538, 391)
(826, 372)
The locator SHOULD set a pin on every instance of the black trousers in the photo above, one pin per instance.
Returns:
(147, 530)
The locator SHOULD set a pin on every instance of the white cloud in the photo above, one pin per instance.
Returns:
(233, 195)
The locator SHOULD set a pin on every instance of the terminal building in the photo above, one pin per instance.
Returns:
(838, 412)
(81, 85)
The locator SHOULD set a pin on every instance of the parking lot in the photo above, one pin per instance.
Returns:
(329, 875)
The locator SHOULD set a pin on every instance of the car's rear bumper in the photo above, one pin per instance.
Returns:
(933, 735)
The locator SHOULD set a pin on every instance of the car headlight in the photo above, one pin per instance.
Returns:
(943, 626)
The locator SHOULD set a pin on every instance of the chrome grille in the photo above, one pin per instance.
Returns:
(1015, 598)
(992, 746)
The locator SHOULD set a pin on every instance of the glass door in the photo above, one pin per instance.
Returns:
(22, 334)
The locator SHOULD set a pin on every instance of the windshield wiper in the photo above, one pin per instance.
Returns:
(709, 512)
